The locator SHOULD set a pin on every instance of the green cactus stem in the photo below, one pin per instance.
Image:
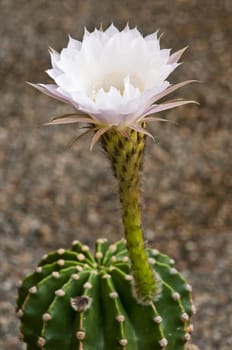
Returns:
(76, 301)
(126, 155)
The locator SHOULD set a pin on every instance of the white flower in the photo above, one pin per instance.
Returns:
(113, 79)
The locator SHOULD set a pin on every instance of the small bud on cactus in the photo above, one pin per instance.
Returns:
(74, 301)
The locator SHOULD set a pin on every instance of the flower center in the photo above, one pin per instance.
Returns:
(116, 80)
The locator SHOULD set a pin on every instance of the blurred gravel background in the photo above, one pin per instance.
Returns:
(50, 195)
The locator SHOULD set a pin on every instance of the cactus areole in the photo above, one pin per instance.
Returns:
(124, 297)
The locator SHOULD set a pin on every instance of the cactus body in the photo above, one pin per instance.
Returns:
(77, 301)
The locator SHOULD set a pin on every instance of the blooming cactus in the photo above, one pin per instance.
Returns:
(113, 79)
(125, 297)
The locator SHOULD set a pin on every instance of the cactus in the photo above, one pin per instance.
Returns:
(125, 296)
(75, 300)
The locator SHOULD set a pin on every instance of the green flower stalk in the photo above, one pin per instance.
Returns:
(126, 156)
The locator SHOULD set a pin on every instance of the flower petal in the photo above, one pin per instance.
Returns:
(73, 44)
(139, 128)
(171, 89)
(177, 55)
(166, 106)
(97, 136)
(156, 119)
(70, 120)
(52, 91)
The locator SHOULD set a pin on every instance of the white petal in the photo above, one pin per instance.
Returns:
(111, 30)
(130, 91)
(52, 90)
(164, 54)
(177, 55)
(54, 73)
(152, 37)
(74, 44)
(65, 82)
(55, 57)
